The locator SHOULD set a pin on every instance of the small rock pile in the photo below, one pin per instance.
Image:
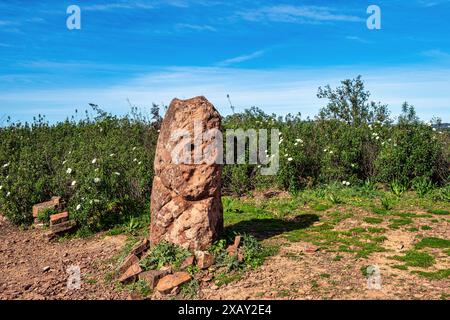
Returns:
(166, 280)
(59, 223)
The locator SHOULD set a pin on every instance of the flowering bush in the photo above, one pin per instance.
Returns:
(102, 168)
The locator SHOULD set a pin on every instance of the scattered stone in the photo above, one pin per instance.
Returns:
(128, 262)
(214, 287)
(186, 207)
(58, 218)
(63, 227)
(204, 259)
(139, 248)
(233, 249)
(167, 283)
(45, 269)
(152, 276)
(130, 275)
(189, 261)
(310, 248)
(175, 291)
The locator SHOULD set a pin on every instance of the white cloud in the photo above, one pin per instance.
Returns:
(436, 54)
(357, 39)
(297, 14)
(242, 58)
(195, 27)
(278, 90)
(117, 5)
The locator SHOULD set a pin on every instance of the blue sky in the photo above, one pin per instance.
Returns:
(270, 54)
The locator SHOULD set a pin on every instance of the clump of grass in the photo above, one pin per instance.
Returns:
(321, 207)
(414, 258)
(397, 223)
(373, 220)
(190, 289)
(387, 203)
(164, 253)
(440, 212)
(425, 228)
(438, 275)
(400, 267)
(433, 243)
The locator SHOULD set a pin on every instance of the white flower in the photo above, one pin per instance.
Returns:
(272, 156)
(290, 159)
(73, 183)
(134, 148)
(377, 138)
(344, 182)
(434, 129)
(140, 162)
(6, 165)
(266, 151)
(96, 200)
(279, 133)
(159, 130)
(64, 162)
(347, 183)
(112, 154)
(69, 170)
(117, 173)
(78, 207)
(259, 166)
(331, 151)
(96, 170)
(96, 180)
(286, 155)
(70, 152)
(299, 140)
(1, 187)
(325, 150)
(134, 159)
(8, 194)
(296, 144)
(94, 160)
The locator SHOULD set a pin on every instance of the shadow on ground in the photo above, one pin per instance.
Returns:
(267, 228)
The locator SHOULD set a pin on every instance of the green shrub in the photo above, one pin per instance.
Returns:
(163, 254)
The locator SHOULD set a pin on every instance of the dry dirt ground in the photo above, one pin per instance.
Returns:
(33, 268)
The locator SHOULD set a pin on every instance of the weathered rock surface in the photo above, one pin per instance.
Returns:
(186, 206)
(131, 273)
(171, 281)
(152, 276)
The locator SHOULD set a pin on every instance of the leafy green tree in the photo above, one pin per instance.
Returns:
(350, 103)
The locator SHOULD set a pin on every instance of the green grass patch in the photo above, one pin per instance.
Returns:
(397, 223)
(414, 258)
(400, 267)
(433, 243)
(426, 228)
(440, 212)
(225, 278)
(373, 220)
(438, 275)
(321, 207)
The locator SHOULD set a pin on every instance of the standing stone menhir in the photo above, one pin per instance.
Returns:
(186, 207)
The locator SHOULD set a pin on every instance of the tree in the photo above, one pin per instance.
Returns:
(350, 103)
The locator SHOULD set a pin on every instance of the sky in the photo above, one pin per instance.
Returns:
(269, 54)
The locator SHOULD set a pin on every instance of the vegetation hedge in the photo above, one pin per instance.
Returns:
(102, 166)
